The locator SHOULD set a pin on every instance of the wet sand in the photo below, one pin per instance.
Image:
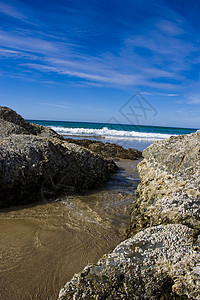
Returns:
(43, 245)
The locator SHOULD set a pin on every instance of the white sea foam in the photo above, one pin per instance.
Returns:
(110, 134)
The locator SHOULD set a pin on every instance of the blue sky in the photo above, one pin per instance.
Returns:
(82, 60)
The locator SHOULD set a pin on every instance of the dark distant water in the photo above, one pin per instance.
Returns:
(128, 136)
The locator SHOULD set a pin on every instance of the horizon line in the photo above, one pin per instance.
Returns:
(120, 124)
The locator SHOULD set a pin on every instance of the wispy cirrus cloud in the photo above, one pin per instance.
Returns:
(27, 43)
(104, 46)
(156, 58)
(56, 105)
(6, 53)
(59, 57)
(194, 100)
(111, 77)
(170, 28)
(13, 12)
(168, 52)
(159, 94)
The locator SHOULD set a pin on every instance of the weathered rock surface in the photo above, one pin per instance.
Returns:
(169, 191)
(37, 163)
(161, 258)
(108, 150)
(13, 123)
(157, 263)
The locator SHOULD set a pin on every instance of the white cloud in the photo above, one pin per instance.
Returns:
(8, 53)
(194, 100)
(169, 55)
(160, 94)
(109, 76)
(26, 43)
(13, 12)
(170, 28)
(56, 105)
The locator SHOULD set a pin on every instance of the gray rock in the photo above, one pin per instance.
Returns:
(108, 150)
(161, 259)
(32, 168)
(36, 163)
(8, 128)
(13, 123)
(169, 191)
(157, 263)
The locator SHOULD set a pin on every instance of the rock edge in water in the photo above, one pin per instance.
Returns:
(108, 150)
(36, 163)
(161, 258)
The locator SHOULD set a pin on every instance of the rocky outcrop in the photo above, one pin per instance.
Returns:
(161, 258)
(108, 150)
(36, 163)
(157, 263)
(169, 191)
(13, 123)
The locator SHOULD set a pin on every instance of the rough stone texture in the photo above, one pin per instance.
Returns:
(108, 150)
(13, 123)
(32, 168)
(162, 261)
(157, 263)
(37, 163)
(169, 191)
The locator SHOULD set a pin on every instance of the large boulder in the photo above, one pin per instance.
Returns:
(108, 150)
(36, 163)
(169, 191)
(161, 258)
(13, 123)
(157, 263)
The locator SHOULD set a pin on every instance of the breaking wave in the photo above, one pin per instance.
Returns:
(111, 134)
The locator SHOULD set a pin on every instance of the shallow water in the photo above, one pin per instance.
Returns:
(43, 245)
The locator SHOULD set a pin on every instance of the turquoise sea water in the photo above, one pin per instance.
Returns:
(133, 136)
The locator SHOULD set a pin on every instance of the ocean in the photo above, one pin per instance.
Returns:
(128, 136)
